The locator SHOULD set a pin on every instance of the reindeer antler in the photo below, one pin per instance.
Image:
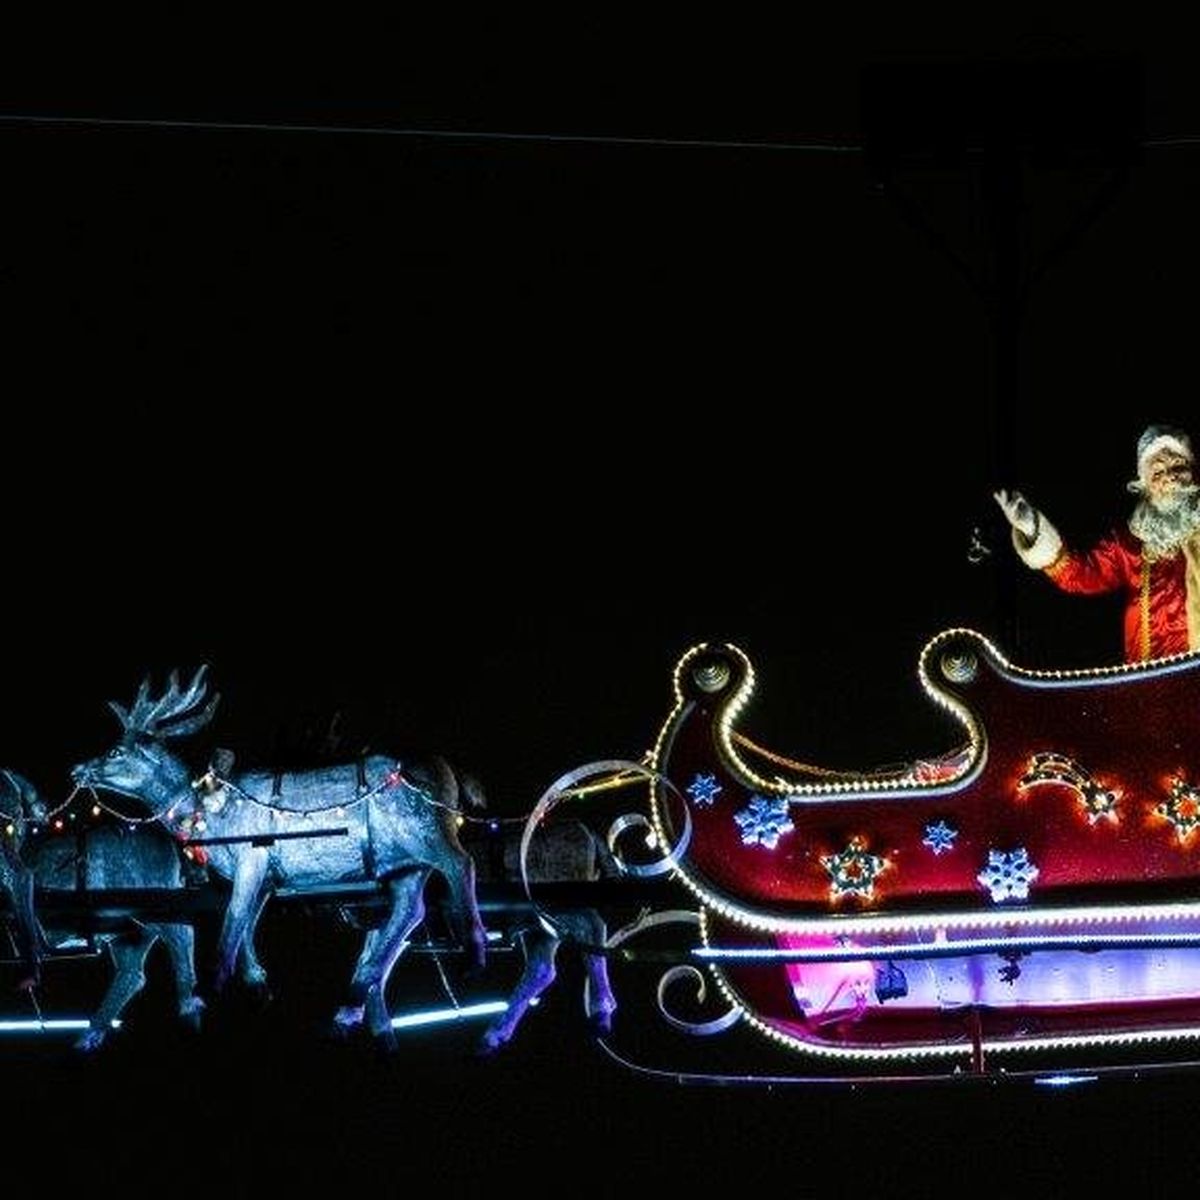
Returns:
(174, 714)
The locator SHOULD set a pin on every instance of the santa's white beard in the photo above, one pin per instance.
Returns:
(1163, 525)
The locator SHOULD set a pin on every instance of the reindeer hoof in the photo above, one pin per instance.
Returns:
(491, 1041)
(601, 1022)
(191, 1014)
(90, 1041)
(347, 1022)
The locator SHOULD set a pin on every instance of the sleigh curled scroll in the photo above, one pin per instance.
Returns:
(1030, 898)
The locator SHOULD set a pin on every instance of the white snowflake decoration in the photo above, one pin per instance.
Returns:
(1008, 874)
(939, 837)
(703, 789)
(764, 820)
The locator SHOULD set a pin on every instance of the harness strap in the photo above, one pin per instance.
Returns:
(367, 843)
(81, 840)
(495, 846)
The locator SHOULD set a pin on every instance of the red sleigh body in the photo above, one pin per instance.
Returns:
(1035, 891)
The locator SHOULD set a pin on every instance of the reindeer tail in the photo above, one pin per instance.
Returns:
(471, 790)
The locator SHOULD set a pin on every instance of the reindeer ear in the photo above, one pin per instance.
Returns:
(122, 713)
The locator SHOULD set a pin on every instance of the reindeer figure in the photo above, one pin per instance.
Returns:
(121, 856)
(21, 809)
(376, 820)
(562, 852)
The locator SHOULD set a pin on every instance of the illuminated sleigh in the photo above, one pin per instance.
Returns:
(1029, 900)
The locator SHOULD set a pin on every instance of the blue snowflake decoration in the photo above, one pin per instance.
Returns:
(704, 789)
(1008, 874)
(764, 820)
(939, 837)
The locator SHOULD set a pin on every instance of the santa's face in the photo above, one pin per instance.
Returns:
(1168, 478)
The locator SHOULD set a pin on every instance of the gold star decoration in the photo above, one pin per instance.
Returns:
(854, 870)
(1182, 808)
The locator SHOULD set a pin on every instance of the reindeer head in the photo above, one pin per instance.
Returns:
(140, 765)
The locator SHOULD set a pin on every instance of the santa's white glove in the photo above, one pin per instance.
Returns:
(1022, 516)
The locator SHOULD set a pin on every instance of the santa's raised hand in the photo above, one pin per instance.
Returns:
(1022, 516)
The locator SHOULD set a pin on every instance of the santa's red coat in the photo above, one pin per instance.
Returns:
(1155, 621)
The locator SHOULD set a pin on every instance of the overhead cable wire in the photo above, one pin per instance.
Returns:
(489, 135)
(449, 134)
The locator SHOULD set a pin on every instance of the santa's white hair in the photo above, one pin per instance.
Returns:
(1163, 525)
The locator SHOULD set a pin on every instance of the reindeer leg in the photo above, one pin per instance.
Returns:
(245, 903)
(32, 943)
(459, 872)
(540, 948)
(599, 1001)
(251, 972)
(381, 948)
(350, 1016)
(128, 955)
(180, 941)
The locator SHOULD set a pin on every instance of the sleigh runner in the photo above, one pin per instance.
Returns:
(1035, 890)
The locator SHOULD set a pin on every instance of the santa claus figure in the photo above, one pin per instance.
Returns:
(1154, 558)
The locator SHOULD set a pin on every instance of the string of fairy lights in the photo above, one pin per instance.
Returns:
(210, 783)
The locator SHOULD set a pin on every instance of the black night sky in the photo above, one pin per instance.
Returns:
(444, 406)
